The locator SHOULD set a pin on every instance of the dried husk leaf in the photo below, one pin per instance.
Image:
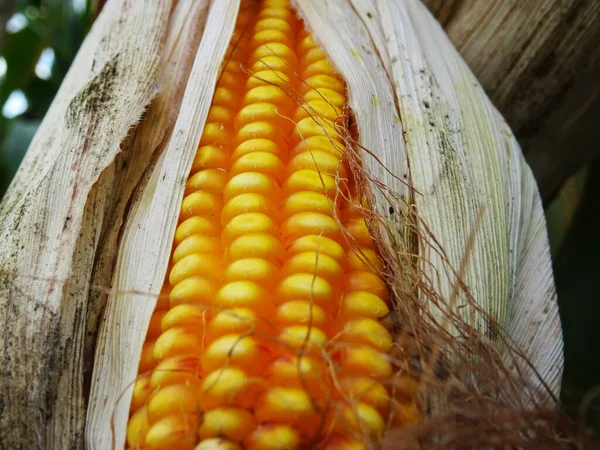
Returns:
(539, 61)
(146, 242)
(142, 148)
(51, 221)
(469, 160)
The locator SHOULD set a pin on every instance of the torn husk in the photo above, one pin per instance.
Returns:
(453, 206)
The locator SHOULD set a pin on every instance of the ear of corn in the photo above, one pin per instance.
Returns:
(78, 202)
(278, 312)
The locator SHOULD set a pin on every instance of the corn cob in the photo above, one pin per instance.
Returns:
(264, 291)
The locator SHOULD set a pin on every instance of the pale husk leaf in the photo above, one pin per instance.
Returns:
(146, 242)
(472, 178)
(51, 222)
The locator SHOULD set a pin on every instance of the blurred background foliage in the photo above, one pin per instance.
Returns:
(40, 38)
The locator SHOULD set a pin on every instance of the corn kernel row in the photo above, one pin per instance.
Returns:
(264, 290)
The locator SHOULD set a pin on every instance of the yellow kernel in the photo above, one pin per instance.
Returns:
(366, 390)
(317, 68)
(273, 437)
(195, 264)
(300, 312)
(270, 94)
(312, 126)
(357, 228)
(274, 49)
(185, 315)
(321, 109)
(306, 201)
(200, 203)
(316, 243)
(228, 386)
(367, 331)
(261, 162)
(227, 98)
(311, 55)
(366, 281)
(305, 337)
(196, 289)
(244, 294)
(231, 321)
(256, 145)
(233, 66)
(309, 180)
(236, 350)
(306, 42)
(305, 286)
(137, 428)
(274, 63)
(220, 114)
(312, 262)
(210, 157)
(215, 134)
(267, 78)
(322, 81)
(196, 225)
(141, 391)
(251, 182)
(365, 360)
(197, 243)
(178, 370)
(324, 143)
(360, 418)
(308, 223)
(172, 399)
(258, 270)
(209, 180)
(298, 372)
(279, 13)
(230, 423)
(273, 24)
(217, 444)
(257, 112)
(318, 160)
(283, 404)
(332, 97)
(363, 304)
(147, 359)
(177, 341)
(268, 36)
(246, 224)
(230, 79)
(247, 203)
(172, 432)
(256, 245)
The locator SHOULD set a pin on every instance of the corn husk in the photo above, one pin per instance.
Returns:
(435, 143)
(539, 61)
(61, 205)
